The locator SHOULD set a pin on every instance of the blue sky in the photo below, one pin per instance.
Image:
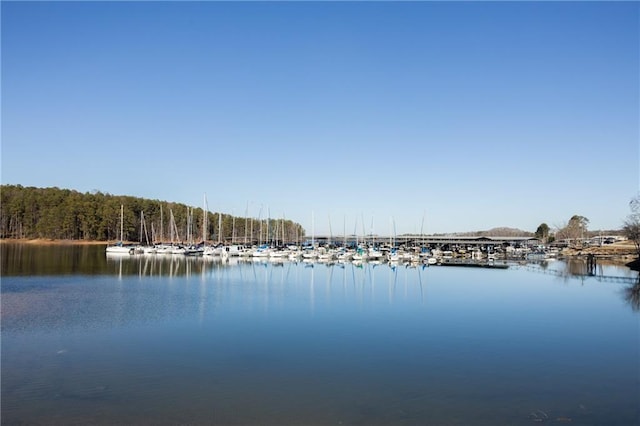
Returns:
(443, 116)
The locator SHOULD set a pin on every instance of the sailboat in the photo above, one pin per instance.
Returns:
(310, 254)
(119, 247)
(148, 248)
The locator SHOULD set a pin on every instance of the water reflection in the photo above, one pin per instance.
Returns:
(58, 259)
(31, 260)
(159, 266)
(603, 271)
(580, 268)
(632, 295)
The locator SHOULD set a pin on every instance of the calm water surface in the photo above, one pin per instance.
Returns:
(88, 339)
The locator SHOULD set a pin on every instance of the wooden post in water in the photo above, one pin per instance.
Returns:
(591, 264)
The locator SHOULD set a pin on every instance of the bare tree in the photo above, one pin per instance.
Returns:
(574, 230)
(631, 225)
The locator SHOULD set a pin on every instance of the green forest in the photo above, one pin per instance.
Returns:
(54, 213)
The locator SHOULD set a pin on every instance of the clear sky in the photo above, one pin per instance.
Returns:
(468, 116)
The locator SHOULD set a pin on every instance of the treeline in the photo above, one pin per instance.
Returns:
(54, 213)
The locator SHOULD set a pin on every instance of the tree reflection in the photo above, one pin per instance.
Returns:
(577, 267)
(632, 295)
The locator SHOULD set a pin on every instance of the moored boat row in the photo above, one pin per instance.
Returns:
(311, 254)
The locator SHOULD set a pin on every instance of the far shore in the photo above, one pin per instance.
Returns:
(50, 242)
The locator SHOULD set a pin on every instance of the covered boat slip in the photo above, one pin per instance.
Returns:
(434, 241)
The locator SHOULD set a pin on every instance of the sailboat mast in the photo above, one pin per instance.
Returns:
(144, 226)
(344, 231)
(204, 221)
(422, 229)
(246, 215)
(121, 222)
(233, 228)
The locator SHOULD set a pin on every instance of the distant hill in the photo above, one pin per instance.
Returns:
(504, 231)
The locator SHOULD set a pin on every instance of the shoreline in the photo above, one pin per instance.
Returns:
(51, 242)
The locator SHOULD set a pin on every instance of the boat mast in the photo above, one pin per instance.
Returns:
(121, 223)
(173, 227)
(233, 227)
(391, 234)
(355, 231)
(161, 227)
(313, 231)
(146, 231)
(246, 216)
(344, 231)
(422, 229)
(204, 221)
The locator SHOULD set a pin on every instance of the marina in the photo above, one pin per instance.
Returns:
(471, 251)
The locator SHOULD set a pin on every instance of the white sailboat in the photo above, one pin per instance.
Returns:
(310, 254)
(162, 247)
(119, 247)
(175, 248)
(148, 248)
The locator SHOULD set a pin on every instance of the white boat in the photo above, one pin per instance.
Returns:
(295, 254)
(325, 255)
(345, 255)
(163, 249)
(279, 254)
(360, 255)
(309, 254)
(233, 250)
(212, 251)
(120, 247)
(394, 255)
(262, 251)
(150, 249)
(194, 250)
(147, 248)
(375, 254)
(246, 252)
(177, 250)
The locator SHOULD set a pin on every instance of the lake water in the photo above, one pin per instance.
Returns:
(89, 340)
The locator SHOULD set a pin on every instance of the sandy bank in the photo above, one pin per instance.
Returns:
(622, 248)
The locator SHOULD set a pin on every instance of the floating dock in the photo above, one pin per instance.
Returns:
(468, 264)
